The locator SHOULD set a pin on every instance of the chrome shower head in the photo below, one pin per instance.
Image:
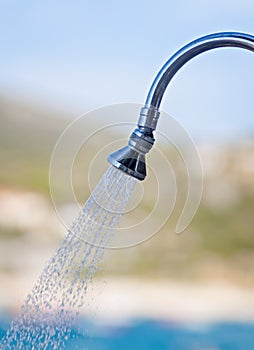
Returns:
(131, 159)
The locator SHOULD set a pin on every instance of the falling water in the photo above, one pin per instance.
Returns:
(50, 309)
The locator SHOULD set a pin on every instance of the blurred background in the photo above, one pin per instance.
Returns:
(61, 59)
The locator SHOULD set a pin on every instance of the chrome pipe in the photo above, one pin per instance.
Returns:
(189, 51)
(131, 159)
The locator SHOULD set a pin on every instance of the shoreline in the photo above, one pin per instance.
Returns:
(121, 299)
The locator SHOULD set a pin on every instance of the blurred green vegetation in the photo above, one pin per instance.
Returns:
(10, 233)
(220, 239)
(228, 231)
(27, 139)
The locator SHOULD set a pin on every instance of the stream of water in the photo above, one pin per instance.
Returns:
(50, 309)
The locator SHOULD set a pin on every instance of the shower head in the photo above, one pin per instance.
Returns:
(131, 159)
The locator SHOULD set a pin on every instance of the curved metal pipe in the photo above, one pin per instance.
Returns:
(131, 159)
(191, 50)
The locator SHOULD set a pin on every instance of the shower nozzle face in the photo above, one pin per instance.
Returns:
(129, 161)
(131, 158)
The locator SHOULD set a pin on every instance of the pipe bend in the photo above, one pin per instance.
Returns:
(191, 50)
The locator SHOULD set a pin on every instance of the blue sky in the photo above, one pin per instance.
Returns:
(81, 55)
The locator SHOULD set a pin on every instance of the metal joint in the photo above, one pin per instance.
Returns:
(141, 142)
(148, 117)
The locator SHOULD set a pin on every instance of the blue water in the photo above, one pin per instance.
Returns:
(154, 335)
